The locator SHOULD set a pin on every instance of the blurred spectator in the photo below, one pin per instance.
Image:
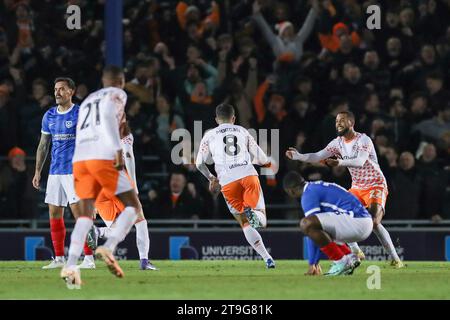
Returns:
(195, 93)
(8, 119)
(434, 128)
(374, 72)
(418, 108)
(81, 92)
(180, 201)
(351, 85)
(330, 38)
(146, 83)
(15, 196)
(395, 59)
(434, 183)
(303, 116)
(388, 162)
(240, 96)
(398, 123)
(437, 95)
(31, 113)
(404, 203)
(166, 121)
(287, 46)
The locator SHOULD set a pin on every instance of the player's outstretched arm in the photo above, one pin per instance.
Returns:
(358, 161)
(293, 154)
(41, 156)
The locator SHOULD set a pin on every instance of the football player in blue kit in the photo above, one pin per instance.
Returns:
(333, 217)
(58, 130)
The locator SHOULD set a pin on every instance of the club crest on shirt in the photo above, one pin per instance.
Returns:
(69, 124)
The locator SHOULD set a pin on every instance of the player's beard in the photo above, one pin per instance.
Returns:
(343, 132)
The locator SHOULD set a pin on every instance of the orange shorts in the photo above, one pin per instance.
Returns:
(242, 193)
(372, 195)
(108, 208)
(93, 176)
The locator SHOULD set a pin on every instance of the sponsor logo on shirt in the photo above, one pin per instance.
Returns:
(227, 129)
(238, 165)
(63, 136)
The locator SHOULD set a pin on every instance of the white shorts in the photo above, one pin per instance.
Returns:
(345, 228)
(60, 190)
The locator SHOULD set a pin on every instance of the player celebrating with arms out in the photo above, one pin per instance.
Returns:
(59, 129)
(98, 166)
(231, 148)
(356, 151)
(332, 215)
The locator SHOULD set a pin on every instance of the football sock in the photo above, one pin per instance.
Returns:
(87, 250)
(333, 251)
(354, 246)
(123, 225)
(58, 233)
(345, 249)
(254, 239)
(142, 239)
(386, 241)
(78, 238)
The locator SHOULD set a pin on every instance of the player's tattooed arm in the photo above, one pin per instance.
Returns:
(41, 156)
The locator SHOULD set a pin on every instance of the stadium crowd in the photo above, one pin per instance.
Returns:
(287, 65)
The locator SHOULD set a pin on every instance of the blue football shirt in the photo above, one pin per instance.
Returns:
(320, 197)
(62, 126)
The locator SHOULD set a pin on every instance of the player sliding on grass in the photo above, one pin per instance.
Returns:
(332, 216)
(109, 209)
(98, 166)
(356, 151)
(232, 148)
(58, 129)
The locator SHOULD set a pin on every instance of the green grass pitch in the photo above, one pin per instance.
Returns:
(226, 280)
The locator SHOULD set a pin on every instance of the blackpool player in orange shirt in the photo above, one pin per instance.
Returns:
(234, 151)
(356, 151)
(98, 165)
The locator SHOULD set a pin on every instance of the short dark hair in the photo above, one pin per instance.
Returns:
(300, 98)
(350, 115)
(435, 75)
(70, 83)
(179, 171)
(113, 71)
(417, 95)
(292, 179)
(224, 111)
(302, 79)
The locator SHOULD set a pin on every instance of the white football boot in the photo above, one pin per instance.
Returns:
(57, 262)
(88, 263)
